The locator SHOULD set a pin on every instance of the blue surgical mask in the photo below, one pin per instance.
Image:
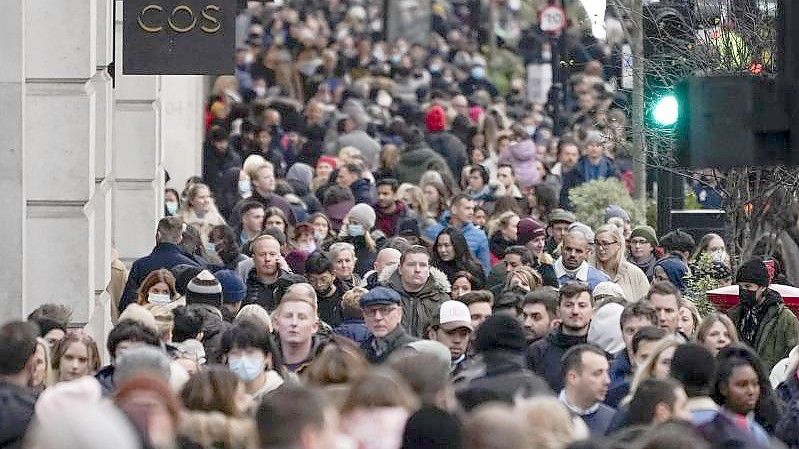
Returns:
(210, 247)
(248, 368)
(478, 72)
(245, 189)
(171, 207)
(355, 230)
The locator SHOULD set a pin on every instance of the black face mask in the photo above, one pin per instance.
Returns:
(748, 297)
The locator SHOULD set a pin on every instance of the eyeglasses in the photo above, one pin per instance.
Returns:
(383, 310)
(605, 245)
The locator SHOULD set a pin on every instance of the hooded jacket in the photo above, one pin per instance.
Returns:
(16, 412)
(417, 159)
(544, 356)
(521, 156)
(778, 332)
(418, 308)
(450, 148)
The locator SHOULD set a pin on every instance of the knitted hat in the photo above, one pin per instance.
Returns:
(148, 383)
(604, 330)
(753, 271)
(607, 289)
(183, 274)
(303, 173)
(204, 288)
(432, 428)
(436, 119)
(329, 160)
(561, 216)
(645, 232)
(364, 214)
(528, 230)
(500, 332)
(616, 211)
(233, 288)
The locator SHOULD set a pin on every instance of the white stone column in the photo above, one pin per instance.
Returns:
(138, 171)
(182, 97)
(12, 144)
(60, 140)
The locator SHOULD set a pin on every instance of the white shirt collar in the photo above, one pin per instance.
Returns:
(581, 273)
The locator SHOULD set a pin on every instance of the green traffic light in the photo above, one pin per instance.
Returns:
(666, 111)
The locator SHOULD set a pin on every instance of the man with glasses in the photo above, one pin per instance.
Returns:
(383, 313)
(643, 241)
(572, 264)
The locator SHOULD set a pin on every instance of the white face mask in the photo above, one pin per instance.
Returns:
(249, 58)
(245, 189)
(171, 207)
(158, 298)
(355, 230)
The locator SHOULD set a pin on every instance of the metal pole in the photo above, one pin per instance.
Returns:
(639, 143)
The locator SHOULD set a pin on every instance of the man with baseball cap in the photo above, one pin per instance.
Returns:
(761, 318)
(532, 235)
(382, 313)
(452, 326)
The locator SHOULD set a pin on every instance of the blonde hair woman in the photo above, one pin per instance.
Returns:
(200, 211)
(550, 423)
(716, 332)
(689, 319)
(523, 277)
(414, 198)
(657, 365)
(609, 257)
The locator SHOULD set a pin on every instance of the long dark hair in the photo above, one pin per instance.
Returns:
(464, 259)
(767, 410)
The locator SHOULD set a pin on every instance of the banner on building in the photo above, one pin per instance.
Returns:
(178, 37)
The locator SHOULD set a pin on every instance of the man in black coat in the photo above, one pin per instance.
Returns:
(18, 362)
(502, 375)
(575, 308)
(267, 281)
(166, 254)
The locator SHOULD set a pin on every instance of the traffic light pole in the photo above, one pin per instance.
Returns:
(639, 142)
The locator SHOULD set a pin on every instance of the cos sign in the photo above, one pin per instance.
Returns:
(178, 37)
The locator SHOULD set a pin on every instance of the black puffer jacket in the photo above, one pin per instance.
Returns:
(544, 356)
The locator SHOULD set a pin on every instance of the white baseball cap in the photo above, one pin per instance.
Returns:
(453, 315)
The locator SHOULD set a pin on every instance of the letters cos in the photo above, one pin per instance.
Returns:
(182, 19)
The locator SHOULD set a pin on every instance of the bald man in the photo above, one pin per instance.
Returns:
(387, 257)
(572, 264)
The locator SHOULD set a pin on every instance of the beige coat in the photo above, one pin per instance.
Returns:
(632, 281)
(215, 429)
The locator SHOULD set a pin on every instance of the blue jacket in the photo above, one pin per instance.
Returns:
(594, 278)
(362, 191)
(475, 238)
(164, 255)
(584, 172)
(354, 329)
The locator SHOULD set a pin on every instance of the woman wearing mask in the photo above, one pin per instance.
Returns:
(171, 202)
(610, 250)
(250, 353)
(356, 230)
(451, 254)
(303, 244)
(158, 289)
(200, 211)
(75, 356)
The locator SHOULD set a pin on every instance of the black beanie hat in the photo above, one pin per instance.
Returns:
(432, 428)
(695, 367)
(500, 332)
(753, 271)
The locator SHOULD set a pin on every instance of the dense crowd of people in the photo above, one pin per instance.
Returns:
(381, 252)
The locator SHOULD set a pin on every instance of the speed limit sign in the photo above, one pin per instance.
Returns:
(553, 19)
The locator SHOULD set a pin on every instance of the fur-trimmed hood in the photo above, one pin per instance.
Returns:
(437, 281)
